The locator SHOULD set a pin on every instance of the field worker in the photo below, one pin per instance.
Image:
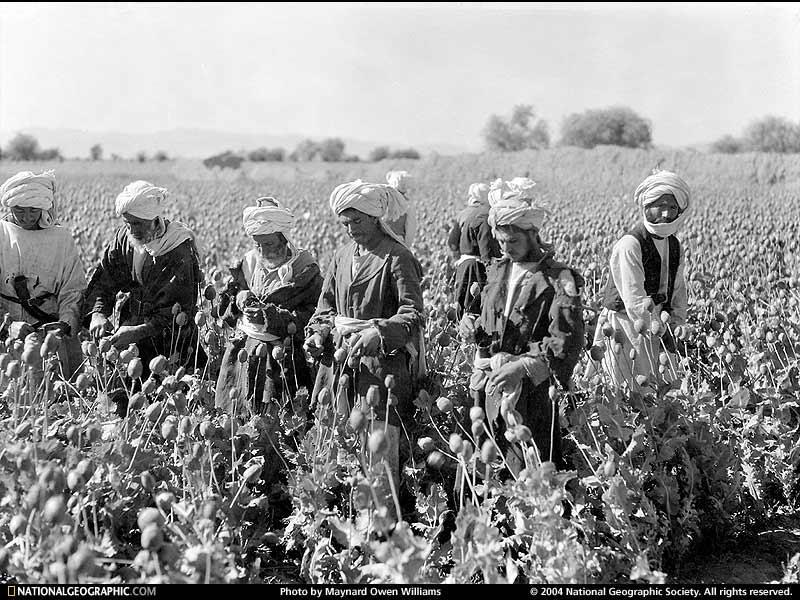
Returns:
(145, 288)
(645, 297)
(273, 294)
(41, 273)
(371, 306)
(405, 225)
(530, 330)
(473, 246)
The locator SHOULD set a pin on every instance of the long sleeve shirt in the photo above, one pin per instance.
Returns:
(50, 260)
(627, 272)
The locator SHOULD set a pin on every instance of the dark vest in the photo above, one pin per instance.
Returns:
(651, 260)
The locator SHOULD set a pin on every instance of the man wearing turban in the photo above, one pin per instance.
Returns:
(529, 333)
(473, 246)
(645, 297)
(405, 225)
(371, 306)
(41, 272)
(272, 294)
(148, 275)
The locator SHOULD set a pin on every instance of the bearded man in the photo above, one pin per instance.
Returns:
(148, 276)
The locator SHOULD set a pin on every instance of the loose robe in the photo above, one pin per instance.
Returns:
(289, 300)
(545, 320)
(169, 279)
(471, 238)
(385, 289)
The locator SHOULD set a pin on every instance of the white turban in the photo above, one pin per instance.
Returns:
(373, 199)
(268, 217)
(398, 180)
(141, 199)
(655, 186)
(512, 204)
(478, 194)
(29, 190)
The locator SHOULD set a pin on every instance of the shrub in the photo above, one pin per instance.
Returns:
(521, 132)
(615, 126)
(773, 134)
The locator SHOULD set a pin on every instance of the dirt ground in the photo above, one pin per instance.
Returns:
(756, 558)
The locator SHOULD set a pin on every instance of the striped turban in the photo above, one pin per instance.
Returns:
(478, 194)
(398, 180)
(512, 203)
(655, 186)
(270, 216)
(141, 199)
(29, 190)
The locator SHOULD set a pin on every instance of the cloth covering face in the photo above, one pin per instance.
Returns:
(141, 199)
(655, 186)
(30, 190)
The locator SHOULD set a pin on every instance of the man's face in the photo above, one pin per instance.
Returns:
(141, 230)
(517, 244)
(26, 217)
(271, 247)
(359, 226)
(663, 210)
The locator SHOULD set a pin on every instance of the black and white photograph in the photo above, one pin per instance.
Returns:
(386, 298)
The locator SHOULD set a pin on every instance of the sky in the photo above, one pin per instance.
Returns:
(400, 73)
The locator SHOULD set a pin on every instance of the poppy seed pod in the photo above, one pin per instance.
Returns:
(176, 308)
(488, 452)
(181, 319)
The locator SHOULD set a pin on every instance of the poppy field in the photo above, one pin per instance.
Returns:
(173, 490)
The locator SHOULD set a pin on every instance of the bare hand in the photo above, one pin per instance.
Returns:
(99, 325)
(254, 315)
(368, 343)
(507, 377)
(313, 345)
(466, 328)
(126, 335)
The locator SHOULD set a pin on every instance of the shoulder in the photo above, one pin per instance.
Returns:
(564, 277)
(628, 244)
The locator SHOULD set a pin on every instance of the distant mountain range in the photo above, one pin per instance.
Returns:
(195, 143)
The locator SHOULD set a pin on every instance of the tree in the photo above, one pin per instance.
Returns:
(378, 154)
(773, 134)
(23, 147)
(141, 156)
(266, 155)
(727, 144)
(331, 150)
(226, 160)
(305, 151)
(160, 156)
(96, 152)
(615, 126)
(50, 154)
(522, 131)
(405, 153)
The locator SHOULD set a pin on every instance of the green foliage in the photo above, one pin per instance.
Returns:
(522, 131)
(614, 126)
(96, 152)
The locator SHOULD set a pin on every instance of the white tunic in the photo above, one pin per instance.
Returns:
(639, 354)
(50, 260)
